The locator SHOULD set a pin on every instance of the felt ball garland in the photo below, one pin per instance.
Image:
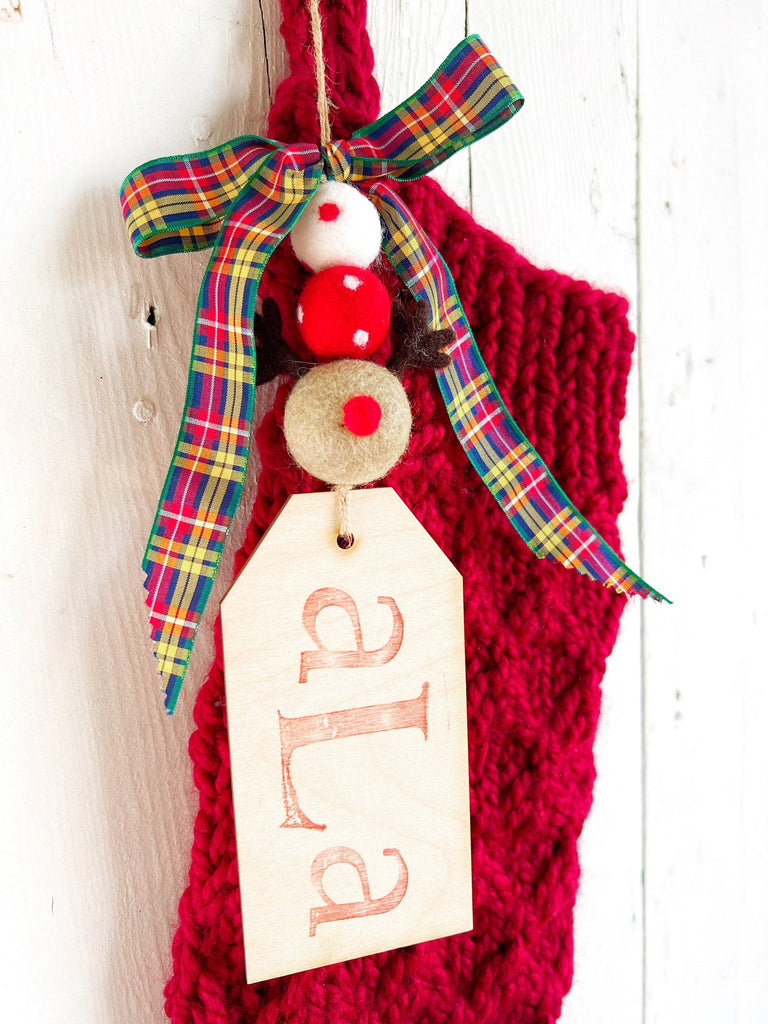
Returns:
(347, 421)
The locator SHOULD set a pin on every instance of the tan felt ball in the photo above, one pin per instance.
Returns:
(314, 422)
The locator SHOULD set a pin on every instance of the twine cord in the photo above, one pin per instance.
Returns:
(346, 538)
(323, 108)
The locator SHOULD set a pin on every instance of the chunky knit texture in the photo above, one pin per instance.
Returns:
(537, 635)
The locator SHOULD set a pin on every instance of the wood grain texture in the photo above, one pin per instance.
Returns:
(703, 230)
(346, 706)
(567, 199)
(98, 816)
(409, 41)
(98, 825)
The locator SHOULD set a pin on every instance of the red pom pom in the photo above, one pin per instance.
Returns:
(328, 211)
(362, 415)
(343, 312)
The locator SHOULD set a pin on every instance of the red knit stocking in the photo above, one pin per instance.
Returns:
(537, 636)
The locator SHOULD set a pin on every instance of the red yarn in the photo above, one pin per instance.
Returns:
(343, 312)
(362, 415)
(537, 639)
(352, 90)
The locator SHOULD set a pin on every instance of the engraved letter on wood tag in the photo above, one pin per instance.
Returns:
(346, 708)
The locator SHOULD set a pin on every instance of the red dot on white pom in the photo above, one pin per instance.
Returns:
(328, 211)
(339, 225)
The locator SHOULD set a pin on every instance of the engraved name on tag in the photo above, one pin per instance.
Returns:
(346, 707)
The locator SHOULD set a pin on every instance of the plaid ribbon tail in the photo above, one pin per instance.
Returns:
(205, 481)
(503, 457)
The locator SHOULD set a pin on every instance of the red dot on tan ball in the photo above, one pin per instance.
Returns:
(362, 415)
(328, 211)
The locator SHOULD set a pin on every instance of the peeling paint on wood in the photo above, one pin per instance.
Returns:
(11, 13)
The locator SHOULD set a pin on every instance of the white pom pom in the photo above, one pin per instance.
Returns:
(339, 226)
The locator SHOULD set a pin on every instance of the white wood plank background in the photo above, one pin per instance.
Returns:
(637, 162)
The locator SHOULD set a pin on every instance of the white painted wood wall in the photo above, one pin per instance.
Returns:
(637, 162)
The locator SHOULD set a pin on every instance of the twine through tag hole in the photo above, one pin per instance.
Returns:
(345, 538)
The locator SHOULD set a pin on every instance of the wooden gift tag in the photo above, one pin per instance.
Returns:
(346, 706)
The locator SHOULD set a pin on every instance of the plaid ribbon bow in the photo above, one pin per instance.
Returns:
(241, 199)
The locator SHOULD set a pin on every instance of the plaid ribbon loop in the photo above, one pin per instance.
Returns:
(241, 199)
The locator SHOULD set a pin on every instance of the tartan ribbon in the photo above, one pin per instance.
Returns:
(502, 455)
(241, 199)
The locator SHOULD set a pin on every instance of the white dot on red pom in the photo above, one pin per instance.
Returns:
(352, 282)
(338, 226)
(300, 313)
(360, 338)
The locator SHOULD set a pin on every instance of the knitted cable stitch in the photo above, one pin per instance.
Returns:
(537, 637)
